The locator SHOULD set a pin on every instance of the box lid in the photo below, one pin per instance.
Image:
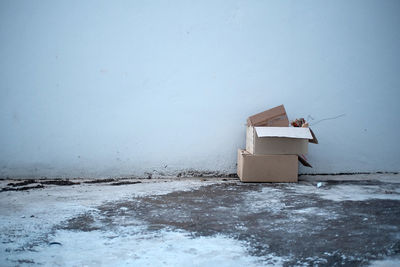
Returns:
(288, 132)
(272, 117)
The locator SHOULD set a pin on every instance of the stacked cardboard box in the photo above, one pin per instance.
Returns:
(273, 149)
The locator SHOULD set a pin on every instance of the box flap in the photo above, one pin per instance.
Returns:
(314, 139)
(274, 117)
(303, 161)
(289, 132)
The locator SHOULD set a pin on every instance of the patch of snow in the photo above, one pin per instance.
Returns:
(133, 247)
(268, 199)
(272, 200)
(391, 262)
(316, 212)
(382, 177)
(344, 192)
(26, 217)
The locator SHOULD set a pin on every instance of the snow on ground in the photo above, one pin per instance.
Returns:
(268, 198)
(27, 220)
(381, 177)
(348, 191)
(134, 248)
(392, 262)
(28, 217)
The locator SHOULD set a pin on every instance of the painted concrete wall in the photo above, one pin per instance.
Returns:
(120, 88)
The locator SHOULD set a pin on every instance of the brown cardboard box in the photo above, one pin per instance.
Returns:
(277, 140)
(274, 117)
(267, 168)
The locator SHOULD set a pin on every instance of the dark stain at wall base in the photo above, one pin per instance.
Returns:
(24, 188)
(20, 186)
(196, 173)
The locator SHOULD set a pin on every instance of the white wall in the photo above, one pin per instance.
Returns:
(120, 88)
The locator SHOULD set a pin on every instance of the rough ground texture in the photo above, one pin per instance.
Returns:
(342, 220)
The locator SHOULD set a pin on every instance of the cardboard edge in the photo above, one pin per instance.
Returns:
(303, 161)
(240, 161)
(248, 122)
(314, 139)
(250, 139)
(307, 137)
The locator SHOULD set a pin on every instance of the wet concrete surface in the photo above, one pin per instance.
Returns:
(327, 232)
(299, 223)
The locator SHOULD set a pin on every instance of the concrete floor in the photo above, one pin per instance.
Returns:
(343, 220)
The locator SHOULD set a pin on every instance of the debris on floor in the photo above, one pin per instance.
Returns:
(20, 186)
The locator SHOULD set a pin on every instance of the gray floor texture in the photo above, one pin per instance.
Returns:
(340, 220)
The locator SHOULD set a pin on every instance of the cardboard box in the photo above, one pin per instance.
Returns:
(277, 140)
(267, 168)
(274, 117)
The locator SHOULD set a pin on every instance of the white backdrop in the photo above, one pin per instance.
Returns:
(131, 88)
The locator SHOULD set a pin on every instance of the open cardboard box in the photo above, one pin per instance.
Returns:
(277, 140)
